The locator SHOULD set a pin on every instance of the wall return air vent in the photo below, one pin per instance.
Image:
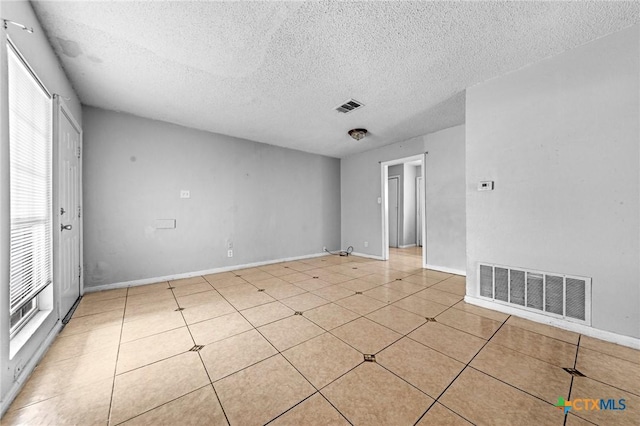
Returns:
(348, 106)
(556, 295)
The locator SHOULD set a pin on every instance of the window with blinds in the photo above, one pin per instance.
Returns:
(30, 140)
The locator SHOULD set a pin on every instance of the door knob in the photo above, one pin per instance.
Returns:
(67, 227)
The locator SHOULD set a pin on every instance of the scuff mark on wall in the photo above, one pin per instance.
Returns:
(69, 48)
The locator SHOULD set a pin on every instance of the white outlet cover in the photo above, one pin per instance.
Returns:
(185, 193)
(165, 224)
(229, 253)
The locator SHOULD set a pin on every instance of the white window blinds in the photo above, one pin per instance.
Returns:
(30, 143)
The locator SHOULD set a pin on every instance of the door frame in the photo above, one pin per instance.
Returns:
(397, 177)
(384, 203)
(61, 109)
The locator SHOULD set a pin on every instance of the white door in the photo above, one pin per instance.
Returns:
(419, 195)
(393, 211)
(69, 201)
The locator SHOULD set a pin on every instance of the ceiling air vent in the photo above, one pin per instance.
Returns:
(349, 106)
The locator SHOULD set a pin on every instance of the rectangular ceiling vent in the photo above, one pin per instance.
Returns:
(350, 105)
(556, 295)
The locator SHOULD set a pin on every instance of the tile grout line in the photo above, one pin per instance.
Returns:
(613, 386)
(502, 381)
(327, 331)
(575, 363)
(200, 356)
(405, 335)
(278, 300)
(511, 385)
(460, 373)
(614, 356)
(115, 367)
(290, 408)
(278, 352)
(127, 301)
(382, 325)
(163, 404)
(382, 349)
(154, 362)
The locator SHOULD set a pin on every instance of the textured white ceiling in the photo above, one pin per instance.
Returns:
(273, 71)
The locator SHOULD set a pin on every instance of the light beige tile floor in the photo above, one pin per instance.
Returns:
(286, 344)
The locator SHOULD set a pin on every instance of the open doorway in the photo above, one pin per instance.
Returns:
(403, 207)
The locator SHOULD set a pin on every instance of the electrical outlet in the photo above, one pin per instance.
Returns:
(229, 253)
(18, 369)
(185, 193)
(366, 243)
(324, 248)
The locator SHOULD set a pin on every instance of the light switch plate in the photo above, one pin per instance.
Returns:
(485, 185)
(185, 193)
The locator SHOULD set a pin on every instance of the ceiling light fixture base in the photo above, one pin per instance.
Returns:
(358, 134)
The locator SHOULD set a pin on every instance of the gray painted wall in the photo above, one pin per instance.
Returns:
(560, 140)
(37, 51)
(272, 203)
(361, 214)
(446, 191)
(361, 187)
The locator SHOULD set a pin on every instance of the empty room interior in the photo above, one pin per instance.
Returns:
(320, 212)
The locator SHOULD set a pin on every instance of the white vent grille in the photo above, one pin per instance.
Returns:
(558, 295)
(348, 106)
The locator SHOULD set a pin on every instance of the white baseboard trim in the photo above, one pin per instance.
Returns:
(608, 336)
(407, 246)
(368, 256)
(447, 270)
(144, 281)
(17, 385)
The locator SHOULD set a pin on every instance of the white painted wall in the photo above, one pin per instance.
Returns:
(446, 191)
(273, 203)
(560, 139)
(361, 217)
(37, 51)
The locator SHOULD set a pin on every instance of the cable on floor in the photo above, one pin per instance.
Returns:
(346, 252)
